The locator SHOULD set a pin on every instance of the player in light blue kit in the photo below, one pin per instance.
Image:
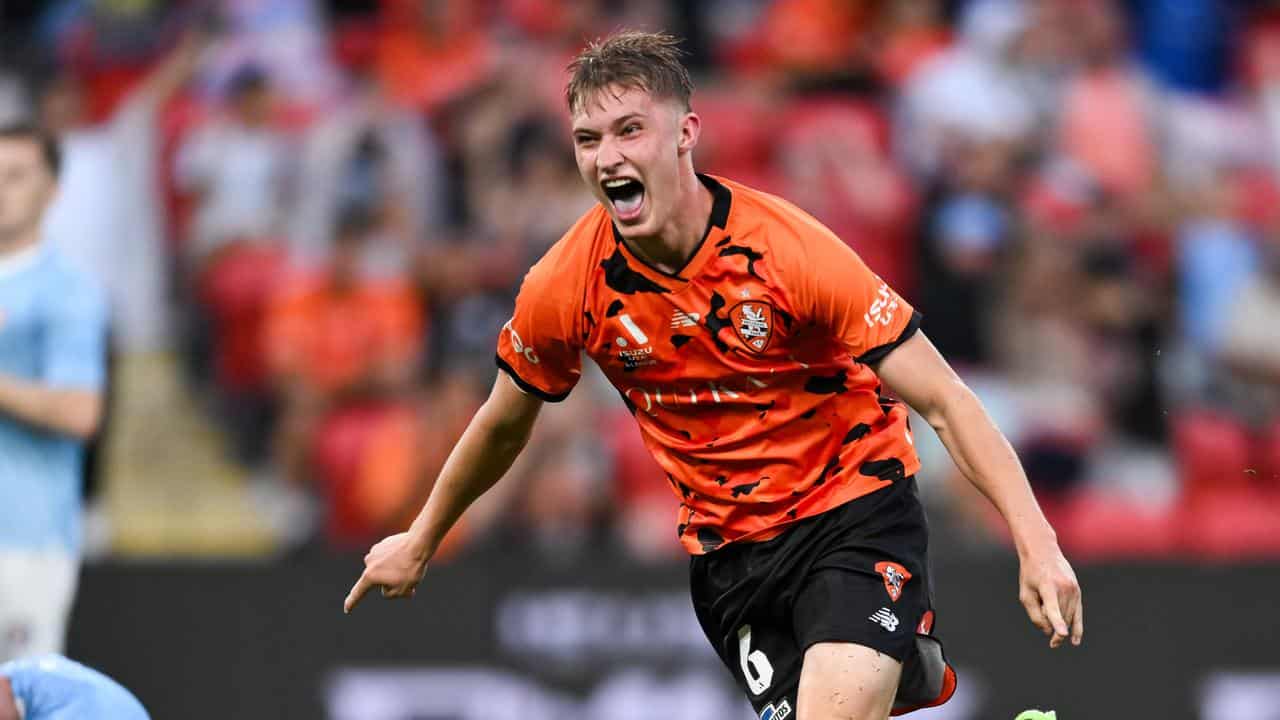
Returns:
(52, 357)
(51, 687)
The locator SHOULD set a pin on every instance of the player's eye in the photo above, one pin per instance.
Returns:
(584, 139)
(630, 129)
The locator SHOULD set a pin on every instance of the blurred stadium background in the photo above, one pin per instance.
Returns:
(311, 218)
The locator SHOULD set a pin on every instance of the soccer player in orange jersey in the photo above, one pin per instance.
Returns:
(751, 345)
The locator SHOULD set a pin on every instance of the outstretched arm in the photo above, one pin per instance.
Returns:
(488, 447)
(1048, 587)
(174, 70)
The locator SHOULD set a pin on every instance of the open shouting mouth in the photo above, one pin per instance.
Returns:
(627, 196)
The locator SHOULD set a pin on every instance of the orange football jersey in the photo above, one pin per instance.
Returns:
(746, 371)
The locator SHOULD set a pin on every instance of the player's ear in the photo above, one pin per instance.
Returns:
(690, 129)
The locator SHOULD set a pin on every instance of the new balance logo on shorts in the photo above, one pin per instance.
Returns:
(776, 712)
(885, 618)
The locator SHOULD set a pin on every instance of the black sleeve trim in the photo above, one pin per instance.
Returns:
(875, 355)
(525, 386)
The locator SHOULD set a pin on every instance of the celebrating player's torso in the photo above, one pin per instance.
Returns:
(740, 369)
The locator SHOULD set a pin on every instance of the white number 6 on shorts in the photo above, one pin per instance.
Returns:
(762, 677)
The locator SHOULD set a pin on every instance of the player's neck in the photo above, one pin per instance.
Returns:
(676, 242)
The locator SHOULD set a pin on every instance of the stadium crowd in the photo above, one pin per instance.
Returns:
(326, 209)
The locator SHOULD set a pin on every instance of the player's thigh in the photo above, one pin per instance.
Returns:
(846, 681)
(737, 603)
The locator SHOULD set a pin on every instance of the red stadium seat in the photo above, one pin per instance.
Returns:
(1267, 458)
(817, 118)
(363, 458)
(1229, 510)
(1233, 523)
(235, 289)
(1095, 525)
(851, 133)
(636, 474)
(1212, 451)
(737, 135)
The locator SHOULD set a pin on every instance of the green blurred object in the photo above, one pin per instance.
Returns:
(1037, 715)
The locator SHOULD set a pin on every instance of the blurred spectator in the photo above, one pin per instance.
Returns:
(236, 167)
(374, 156)
(1107, 114)
(643, 496)
(813, 38)
(107, 217)
(226, 341)
(1047, 355)
(1216, 255)
(1249, 349)
(972, 93)
(562, 503)
(834, 161)
(339, 337)
(965, 237)
(52, 373)
(430, 53)
(540, 193)
(286, 39)
(1187, 43)
(916, 33)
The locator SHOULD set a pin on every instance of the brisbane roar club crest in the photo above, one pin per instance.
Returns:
(753, 322)
(895, 576)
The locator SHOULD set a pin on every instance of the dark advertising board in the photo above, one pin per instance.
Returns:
(501, 634)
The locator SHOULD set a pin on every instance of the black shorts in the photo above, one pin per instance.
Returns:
(858, 573)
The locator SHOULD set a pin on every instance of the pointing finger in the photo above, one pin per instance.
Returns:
(357, 592)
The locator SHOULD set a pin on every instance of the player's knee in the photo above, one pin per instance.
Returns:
(843, 681)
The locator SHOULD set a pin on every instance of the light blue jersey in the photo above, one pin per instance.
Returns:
(51, 687)
(53, 324)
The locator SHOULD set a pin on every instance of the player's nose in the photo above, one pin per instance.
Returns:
(608, 157)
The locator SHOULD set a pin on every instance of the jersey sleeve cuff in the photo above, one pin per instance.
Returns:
(876, 354)
(527, 386)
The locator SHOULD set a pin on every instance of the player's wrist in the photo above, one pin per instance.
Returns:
(1035, 540)
(420, 546)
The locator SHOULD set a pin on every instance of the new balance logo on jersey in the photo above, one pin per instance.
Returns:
(885, 618)
(682, 319)
(778, 711)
